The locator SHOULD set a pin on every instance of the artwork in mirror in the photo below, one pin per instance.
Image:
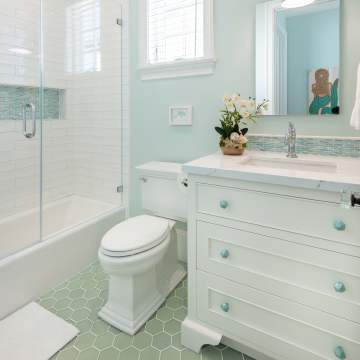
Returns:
(298, 57)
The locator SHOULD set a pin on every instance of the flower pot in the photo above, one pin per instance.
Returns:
(226, 150)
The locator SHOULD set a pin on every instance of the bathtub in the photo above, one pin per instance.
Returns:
(72, 231)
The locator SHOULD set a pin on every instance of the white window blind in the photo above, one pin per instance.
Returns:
(175, 30)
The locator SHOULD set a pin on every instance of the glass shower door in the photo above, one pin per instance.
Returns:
(20, 125)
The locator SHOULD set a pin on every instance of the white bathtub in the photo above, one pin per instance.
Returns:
(72, 231)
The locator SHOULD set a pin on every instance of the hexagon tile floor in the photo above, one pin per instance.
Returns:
(78, 301)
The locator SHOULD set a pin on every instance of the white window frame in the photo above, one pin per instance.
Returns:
(179, 68)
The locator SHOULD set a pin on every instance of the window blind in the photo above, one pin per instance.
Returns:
(175, 30)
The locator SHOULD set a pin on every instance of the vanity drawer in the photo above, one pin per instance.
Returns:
(256, 317)
(316, 277)
(308, 217)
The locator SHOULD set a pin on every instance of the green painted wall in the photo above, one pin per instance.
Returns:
(153, 139)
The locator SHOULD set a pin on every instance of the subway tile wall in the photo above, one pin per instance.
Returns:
(82, 145)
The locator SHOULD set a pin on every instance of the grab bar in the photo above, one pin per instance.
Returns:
(26, 108)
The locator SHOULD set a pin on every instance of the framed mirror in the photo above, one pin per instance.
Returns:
(298, 56)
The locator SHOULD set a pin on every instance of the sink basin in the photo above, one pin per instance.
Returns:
(290, 164)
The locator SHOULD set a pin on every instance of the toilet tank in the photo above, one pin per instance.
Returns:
(162, 193)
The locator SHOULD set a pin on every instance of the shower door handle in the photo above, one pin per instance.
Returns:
(29, 108)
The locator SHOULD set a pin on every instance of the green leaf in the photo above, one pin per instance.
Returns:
(220, 131)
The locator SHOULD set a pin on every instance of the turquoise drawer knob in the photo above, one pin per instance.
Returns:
(224, 204)
(339, 287)
(225, 253)
(339, 225)
(225, 307)
(340, 353)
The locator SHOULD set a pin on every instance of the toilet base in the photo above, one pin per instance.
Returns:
(114, 313)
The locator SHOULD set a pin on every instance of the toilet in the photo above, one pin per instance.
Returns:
(141, 254)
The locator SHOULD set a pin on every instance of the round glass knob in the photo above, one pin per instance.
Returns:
(340, 353)
(225, 307)
(224, 204)
(339, 225)
(225, 253)
(339, 287)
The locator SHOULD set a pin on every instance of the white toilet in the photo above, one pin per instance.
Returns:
(141, 254)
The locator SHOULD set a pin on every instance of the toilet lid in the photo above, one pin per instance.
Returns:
(135, 235)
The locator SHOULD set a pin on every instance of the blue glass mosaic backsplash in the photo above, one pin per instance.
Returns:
(307, 145)
(13, 98)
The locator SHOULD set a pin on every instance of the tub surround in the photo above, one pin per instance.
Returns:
(274, 256)
(28, 273)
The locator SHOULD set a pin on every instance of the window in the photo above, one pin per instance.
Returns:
(177, 38)
(83, 37)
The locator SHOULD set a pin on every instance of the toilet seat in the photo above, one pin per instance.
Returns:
(134, 236)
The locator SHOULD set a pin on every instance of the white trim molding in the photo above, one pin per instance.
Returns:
(179, 68)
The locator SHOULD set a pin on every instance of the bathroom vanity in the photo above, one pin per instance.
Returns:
(274, 256)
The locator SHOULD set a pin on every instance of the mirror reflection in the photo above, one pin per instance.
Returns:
(298, 56)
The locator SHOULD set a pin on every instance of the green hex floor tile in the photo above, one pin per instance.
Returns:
(88, 284)
(142, 340)
(164, 314)
(150, 354)
(176, 342)
(246, 357)
(154, 326)
(74, 284)
(80, 314)
(130, 353)
(170, 354)
(95, 304)
(103, 285)
(161, 341)
(61, 294)
(79, 300)
(174, 303)
(181, 293)
(190, 355)
(89, 354)
(68, 354)
(77, 304)
(103, 294)
(84, 341)
(91, 293)
(109, 354)
(230, 354)
(48, 303)
(99, 327)
(65, 313)
(172, 327)
(122, 341)
(84, 325)
(76, 293)
(114, 330)
(104, 341)
(180, 314)
(211, 353)
(62, 304)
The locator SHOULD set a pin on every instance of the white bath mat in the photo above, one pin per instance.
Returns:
(33, 333)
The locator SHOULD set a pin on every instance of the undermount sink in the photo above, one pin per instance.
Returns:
(290, 164)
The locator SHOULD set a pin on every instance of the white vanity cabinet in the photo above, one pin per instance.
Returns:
(274, 269)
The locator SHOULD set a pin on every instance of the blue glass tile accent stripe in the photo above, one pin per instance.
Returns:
(311, 146)
(13, 98)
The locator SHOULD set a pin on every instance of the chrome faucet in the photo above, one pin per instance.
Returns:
(290, 141)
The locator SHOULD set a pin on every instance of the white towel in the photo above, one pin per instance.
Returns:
(355, 117)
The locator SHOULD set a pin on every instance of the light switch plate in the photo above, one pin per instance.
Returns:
(180, 115)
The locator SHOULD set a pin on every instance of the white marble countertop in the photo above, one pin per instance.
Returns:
(339, 173)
